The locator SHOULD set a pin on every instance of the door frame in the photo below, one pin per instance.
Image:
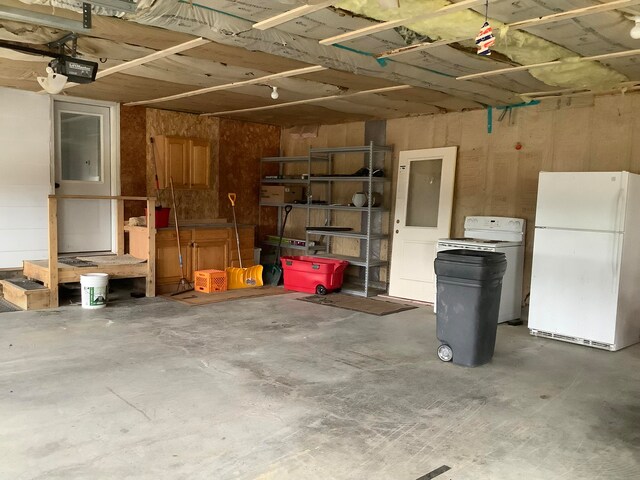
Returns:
(114, 130)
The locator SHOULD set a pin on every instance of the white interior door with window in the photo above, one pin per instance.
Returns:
(83, 167)
(424, 203)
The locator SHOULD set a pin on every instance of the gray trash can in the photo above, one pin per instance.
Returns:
(469, 285)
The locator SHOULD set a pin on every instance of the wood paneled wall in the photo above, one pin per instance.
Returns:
(236, 149)
(191, 204)
(242, 144)
(492, 176)
(133, 157)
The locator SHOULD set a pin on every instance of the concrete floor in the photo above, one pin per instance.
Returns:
(274, 388)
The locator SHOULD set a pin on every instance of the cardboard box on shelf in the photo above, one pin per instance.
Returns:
(281, 194)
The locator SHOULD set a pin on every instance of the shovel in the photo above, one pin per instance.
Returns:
(273, 273)
(241, 277)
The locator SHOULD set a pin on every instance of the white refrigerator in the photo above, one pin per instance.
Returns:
(585, 280)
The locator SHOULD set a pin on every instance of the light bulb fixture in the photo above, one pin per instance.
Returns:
(274, 93)
(635, 31)
(53, 83)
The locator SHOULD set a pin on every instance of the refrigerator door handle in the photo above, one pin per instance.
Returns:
(615, 264)
(619, 223)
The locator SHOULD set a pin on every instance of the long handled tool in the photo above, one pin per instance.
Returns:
(184, 285)
(273, 273)
(241, 277)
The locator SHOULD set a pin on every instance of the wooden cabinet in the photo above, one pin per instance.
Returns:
(200, 163)
(185, 160)
(167, 260)
(210, 249)
(202, 248)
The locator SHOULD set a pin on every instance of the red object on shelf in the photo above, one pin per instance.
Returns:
(312, 274)
(162, 217)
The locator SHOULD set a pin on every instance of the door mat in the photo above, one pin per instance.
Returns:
(199, 298)
(75, 262)
(6, 306)
(113, 260)
(358, 304)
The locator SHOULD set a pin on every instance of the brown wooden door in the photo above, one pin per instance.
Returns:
(200, 163)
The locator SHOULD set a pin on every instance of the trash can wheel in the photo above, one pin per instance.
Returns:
(321, 290)
(445, 353)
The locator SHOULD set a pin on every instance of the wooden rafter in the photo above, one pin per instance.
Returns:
(312, 100)
(196, 42)
(312, 6)
(624, 86)
(228, 86)
(565, 61)
(524, 24)
(380, 27)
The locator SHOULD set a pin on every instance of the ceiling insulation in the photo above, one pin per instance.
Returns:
(240, 52)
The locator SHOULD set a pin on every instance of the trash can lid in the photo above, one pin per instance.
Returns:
(474, 257)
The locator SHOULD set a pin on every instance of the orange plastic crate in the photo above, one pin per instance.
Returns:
(208, 281)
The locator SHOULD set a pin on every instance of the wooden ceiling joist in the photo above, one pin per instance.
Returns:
(566, 61)
(196, 42)
(312, 6)
(228, 86)
(532, 22)
(312, 100)
(380, 27)
(624, 86)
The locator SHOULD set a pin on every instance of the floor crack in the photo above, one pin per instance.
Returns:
(130, 404)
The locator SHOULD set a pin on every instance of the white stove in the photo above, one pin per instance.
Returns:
(502, 235)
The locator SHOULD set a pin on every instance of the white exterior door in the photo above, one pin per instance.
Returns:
(424, 202)
(83, 167)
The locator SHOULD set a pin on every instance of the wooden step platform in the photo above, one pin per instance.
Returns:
(25, 294)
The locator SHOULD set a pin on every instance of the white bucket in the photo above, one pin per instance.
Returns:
(94, 290)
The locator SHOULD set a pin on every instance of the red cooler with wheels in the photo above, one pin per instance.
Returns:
(313, 274)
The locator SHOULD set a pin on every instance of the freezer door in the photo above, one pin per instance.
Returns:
(581, 200)
(574, 283)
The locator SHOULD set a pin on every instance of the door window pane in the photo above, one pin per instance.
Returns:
(423, 197)
(80, 144)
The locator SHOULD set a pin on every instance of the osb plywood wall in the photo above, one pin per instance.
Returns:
(348, 134)
(492, 176)
(133, 158)
(242, 144)
(191, 204)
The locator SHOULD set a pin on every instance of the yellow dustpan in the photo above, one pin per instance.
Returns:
(241, 277)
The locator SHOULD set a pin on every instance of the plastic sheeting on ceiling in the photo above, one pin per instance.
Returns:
(229, 22)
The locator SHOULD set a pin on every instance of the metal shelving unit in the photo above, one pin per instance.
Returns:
(282, 161)
(369, 281)
(371, 236)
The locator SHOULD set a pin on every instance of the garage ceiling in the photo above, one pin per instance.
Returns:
(411, 69)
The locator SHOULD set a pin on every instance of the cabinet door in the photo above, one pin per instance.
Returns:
(200, 152)
(167, 262)
(176, 161)
(210, 248)
(210, 254)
